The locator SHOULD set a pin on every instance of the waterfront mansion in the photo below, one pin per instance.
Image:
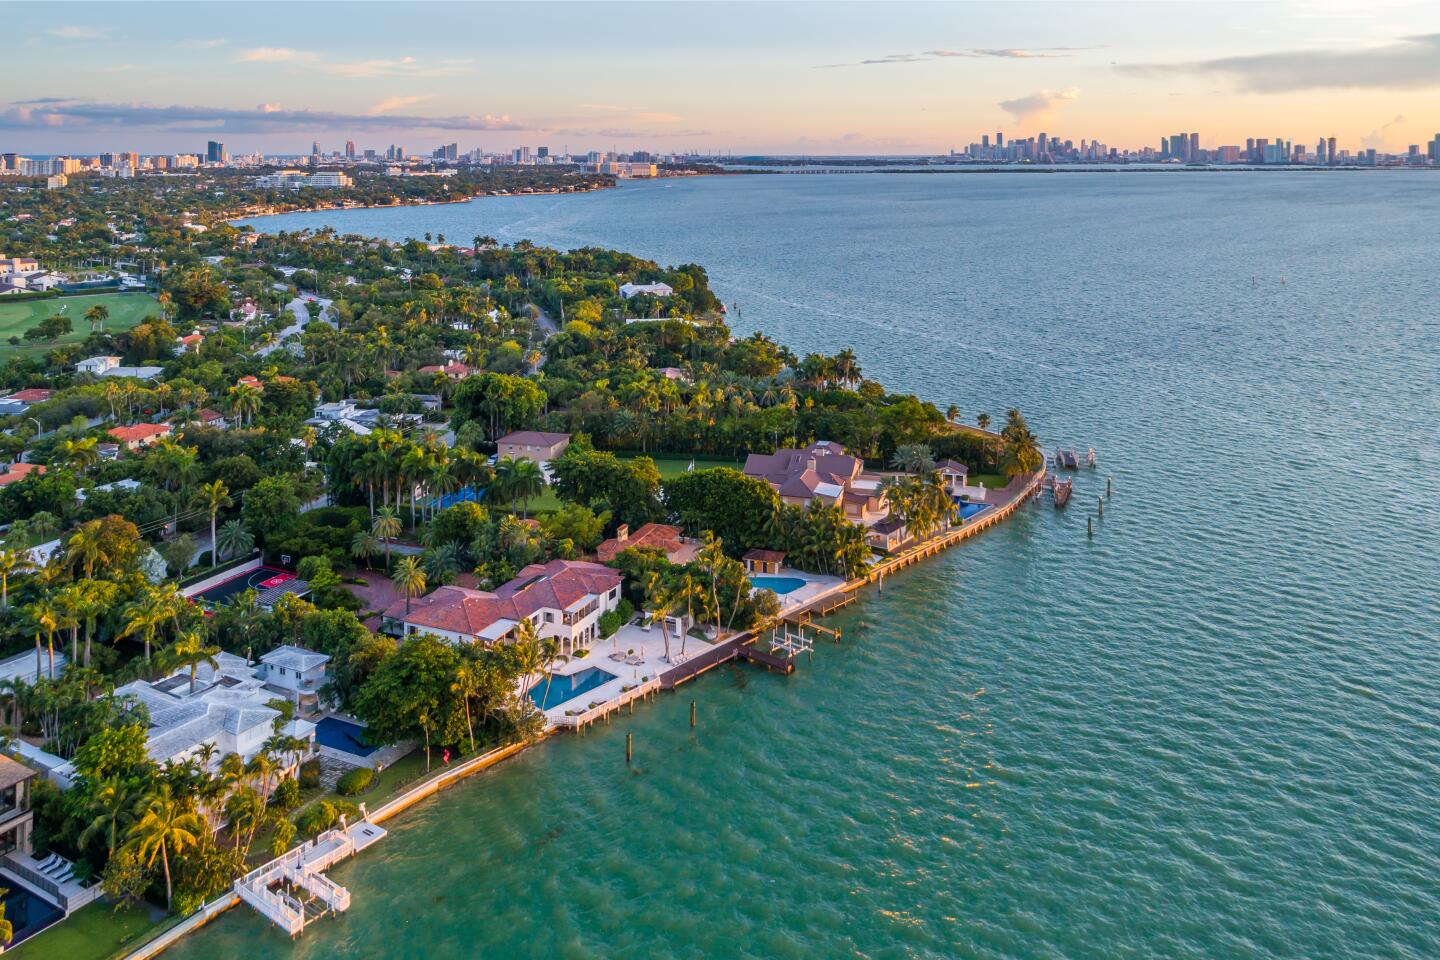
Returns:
(822, 471)
(562, 598)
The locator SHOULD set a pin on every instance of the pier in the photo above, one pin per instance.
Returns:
(292, 890)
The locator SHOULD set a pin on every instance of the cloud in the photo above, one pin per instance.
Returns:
(657, 117)
(273, 55)
(53, 112)
(1410, 63)
(1039, 104)
(203, 44)
(1379, 138)
(394, 103)
(76, 33)
(969, 53)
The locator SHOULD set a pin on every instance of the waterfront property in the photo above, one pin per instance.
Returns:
(822, 471)
(563, 599)
(762, 561)
(296, 673)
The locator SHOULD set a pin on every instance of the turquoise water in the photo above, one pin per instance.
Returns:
(1208, 732)
(780, 585)
(562, 687)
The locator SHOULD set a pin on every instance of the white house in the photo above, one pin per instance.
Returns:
(628, 290)
(229, 708)
(563, 599)
(97, 365)
(297, 673)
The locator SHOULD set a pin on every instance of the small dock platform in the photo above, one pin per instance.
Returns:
(292, 890)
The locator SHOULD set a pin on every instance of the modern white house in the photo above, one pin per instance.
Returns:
(628, 290)
(563, 599)
(297, 673)
(228, 708)
(97, 365)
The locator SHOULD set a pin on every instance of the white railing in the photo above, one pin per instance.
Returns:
(594, 713)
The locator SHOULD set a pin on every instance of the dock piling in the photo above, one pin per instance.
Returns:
(629, 747)
(1108, 482)
(1102, 506)
(692, 714)
(1090, 527)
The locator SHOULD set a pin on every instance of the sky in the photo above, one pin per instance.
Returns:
(791, 78)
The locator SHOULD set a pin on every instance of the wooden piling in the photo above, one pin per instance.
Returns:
(1102, 506)
(1108, 482)
(629, 746)
(692, 714)
(1090, 527)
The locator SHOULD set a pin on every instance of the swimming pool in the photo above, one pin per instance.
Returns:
(344, 736)
(968, 508)
(27, 913)
(780, 585)
(567, 687)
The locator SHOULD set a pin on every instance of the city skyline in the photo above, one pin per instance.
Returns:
(747, 78)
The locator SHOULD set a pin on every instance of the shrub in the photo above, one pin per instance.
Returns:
(316, 818)
(610, 621)
(355, 781)
(286, 795)
(310, 774)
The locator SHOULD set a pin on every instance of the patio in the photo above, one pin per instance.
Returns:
(641, 657)
(816, 586)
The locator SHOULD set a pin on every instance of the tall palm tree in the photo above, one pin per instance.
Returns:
(190, 651)
(12, 563)
(234, 539)
(527, 483)
(660, 601)
(363, 546)
(165, 825)
(148, 615)
(385, 527)
(466, 685)
(214, 497)
(503, 486)
(112, 808)
(409, 579)
(49, 617)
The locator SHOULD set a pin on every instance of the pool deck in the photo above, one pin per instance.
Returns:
(645, 649)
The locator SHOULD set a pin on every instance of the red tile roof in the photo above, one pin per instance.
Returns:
(140, 431)
(556, 585)
(19, 471)
(31, 395)
(661, 536)
(533, 438)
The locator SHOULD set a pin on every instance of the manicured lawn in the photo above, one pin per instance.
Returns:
(126, 310)
(676, 466)
(992, 481)
(95, 932)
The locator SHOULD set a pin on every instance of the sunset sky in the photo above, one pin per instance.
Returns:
(747, 77)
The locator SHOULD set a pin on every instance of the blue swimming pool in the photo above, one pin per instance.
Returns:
(342, 735)
(567, 687)
(27, 913)
(968, 509)
(780, 585)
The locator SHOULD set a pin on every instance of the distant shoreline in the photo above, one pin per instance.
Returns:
(330, 208)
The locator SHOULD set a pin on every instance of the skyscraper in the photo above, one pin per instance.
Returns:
(349, 149)
(215, 152)
(1194, 156)
(1330, 149)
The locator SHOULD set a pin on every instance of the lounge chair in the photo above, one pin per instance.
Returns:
(65, 877)
(55, 870)
(618, 657)
(48, 862)
(634, 661)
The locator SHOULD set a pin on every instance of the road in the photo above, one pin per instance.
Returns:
(302, 317)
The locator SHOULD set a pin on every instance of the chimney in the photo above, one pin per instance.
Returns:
(622, 532)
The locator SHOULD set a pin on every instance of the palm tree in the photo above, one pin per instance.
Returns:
(660, 599)
(97, 315)
(7, 929)
(527, 482)
(409, 579)
(234, 539)
(190, 651)
(363, 546)
(165, 825)
(386, 526)
(49, 617)
(983, 421)
(214, 497)
(111, 808)
(80, 454)
(466, 685)
(12, 563)
(148, 615)
(503, 486)
(245, 402)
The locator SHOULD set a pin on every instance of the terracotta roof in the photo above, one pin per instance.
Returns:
(205, 415)
(767, 556)
(31, 395)
(556, 585)
(661, 536)
(19, 471)
(140, 431)
(803, 473)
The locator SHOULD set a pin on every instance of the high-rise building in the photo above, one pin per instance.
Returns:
(1321, 155)
(314, 148)
(349, 149)
(542, 152)
(1330, 151)
(1194, 148)
(215, 152)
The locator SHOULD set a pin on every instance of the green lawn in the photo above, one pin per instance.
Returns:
(672, 466)
(95, 932)
(992, 481)
(126, 310)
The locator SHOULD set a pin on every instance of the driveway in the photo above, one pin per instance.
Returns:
(302, 317)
